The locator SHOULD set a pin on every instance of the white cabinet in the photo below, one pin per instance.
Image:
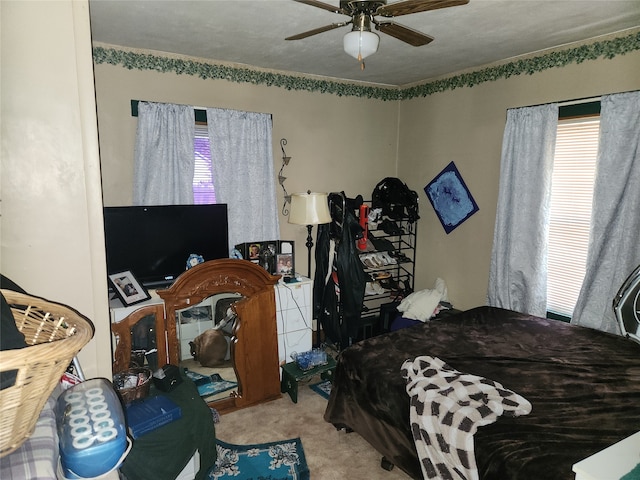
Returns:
(293, 316)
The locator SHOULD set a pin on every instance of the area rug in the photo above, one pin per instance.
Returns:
(322, 388)
(282, 460)
(210, 385)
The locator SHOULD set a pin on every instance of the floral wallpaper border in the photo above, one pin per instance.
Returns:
(526, 66)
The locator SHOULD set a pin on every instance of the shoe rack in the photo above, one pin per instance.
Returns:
(389, 260)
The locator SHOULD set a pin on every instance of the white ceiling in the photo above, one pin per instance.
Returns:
(252, 32)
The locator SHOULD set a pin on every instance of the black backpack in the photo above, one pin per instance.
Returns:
(395, 199)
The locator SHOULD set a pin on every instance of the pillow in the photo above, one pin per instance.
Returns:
(420, 305)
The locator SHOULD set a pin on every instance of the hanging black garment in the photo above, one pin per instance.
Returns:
(325, 298)
(339, 315)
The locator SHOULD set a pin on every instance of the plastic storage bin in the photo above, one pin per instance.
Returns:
(91, 428)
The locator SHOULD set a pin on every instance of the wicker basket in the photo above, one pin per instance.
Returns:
(54, 334)
(139, 392)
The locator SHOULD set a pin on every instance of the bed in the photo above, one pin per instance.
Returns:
(583, 386)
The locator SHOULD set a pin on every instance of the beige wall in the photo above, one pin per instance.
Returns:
(336, 143)
(466, 126)
(350, 144)
(51, 240)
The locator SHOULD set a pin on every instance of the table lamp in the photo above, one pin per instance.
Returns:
(309, 209)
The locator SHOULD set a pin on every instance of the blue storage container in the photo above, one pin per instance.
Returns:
(91, 429)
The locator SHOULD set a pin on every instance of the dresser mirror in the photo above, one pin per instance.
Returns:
(205, 333)
(236, 292)
(248, 290)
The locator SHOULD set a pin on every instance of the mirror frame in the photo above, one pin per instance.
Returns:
(122, 332)
(254, 344)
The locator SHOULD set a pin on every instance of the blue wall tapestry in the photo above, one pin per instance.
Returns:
(450, 198)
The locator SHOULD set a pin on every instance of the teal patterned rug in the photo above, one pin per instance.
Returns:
(282, 460)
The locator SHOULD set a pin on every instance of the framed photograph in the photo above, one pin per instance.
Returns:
(254, 251)
(267, 256)
(128, 289)
(450, 198)
(284, 264)
(285, 246)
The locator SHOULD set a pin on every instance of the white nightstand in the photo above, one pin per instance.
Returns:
(611, 463)
(293, 314)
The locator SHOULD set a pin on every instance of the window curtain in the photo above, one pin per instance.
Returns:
(243, 173)
(614, 248)
(164, 155)
(517, 276)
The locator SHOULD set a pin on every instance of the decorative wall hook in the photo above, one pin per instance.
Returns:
(282, 178)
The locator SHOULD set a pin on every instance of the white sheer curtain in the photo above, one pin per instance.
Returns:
(517, 277)
(243, 173)
(614, 245)
(164, 155)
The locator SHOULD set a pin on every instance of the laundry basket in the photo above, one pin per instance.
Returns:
(54, 333)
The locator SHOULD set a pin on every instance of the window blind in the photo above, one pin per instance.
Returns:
(203, 191)
(570, 211)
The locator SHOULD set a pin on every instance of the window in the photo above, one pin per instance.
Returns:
(203, 190)
(573, 182)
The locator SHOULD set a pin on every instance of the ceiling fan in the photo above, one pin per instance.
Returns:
(361, 41)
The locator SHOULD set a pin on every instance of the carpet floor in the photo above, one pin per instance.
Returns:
(330, 454)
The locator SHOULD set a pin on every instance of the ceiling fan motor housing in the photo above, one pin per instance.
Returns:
(363, 6)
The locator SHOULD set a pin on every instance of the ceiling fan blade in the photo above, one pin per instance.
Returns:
(414, 6)
(315, 31)
(406, 34)
(324, 6)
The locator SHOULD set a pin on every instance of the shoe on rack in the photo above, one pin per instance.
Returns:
(368, 289)
(374, 218)
(389, 284)
(380, 275)
(368, 262)
(399, 256)
(406, 289)
(381, 244)
(390, 228)
(377, 260)
(388, 259)
(373, 288)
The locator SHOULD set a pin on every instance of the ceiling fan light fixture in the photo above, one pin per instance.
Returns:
(361, 43)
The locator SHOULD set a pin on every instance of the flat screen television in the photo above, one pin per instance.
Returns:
(154, 242)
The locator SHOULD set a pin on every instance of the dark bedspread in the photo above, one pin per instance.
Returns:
(583, 384)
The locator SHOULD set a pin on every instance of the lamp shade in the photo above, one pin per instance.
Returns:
(361, 43)
(309, 209)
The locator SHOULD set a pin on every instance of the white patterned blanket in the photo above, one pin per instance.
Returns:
(447, 407)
